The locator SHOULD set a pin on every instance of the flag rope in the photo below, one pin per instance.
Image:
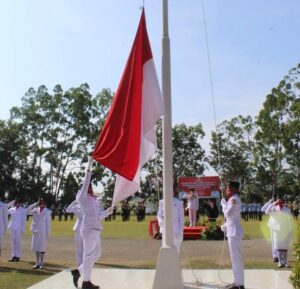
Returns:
(219, 168)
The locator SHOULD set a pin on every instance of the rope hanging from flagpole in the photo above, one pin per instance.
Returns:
(219, 170)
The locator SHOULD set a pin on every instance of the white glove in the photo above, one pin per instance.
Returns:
(223, 228)
(223, 202)
(90, 162)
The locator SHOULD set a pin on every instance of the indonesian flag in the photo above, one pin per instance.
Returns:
(128, 136)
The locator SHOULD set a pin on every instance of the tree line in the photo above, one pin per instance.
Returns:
(45, 142)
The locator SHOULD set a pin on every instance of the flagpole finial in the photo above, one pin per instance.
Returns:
(142, 7)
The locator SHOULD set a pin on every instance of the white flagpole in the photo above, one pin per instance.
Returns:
(168, 273)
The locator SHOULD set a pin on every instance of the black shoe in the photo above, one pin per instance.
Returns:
(12, 259)
(17, 259)
(89, 285)
(36, 266)
(275, 260)
(76, 274)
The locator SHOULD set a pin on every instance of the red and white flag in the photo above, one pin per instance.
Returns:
(128, 136)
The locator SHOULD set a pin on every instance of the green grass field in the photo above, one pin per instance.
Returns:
(139, 230)
(22, 276)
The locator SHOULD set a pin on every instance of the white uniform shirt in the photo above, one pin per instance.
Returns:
(3, 218)
(92, 214)
(18, 218)
(178, 216)
(75, 208)
(232, 213)
(280, 223)
(41, 221)
(193, 202)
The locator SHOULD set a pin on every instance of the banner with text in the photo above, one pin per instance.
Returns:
(206, 187)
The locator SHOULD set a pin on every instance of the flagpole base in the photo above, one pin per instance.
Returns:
(168, 272)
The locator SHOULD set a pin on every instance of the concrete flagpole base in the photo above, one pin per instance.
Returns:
(168, 273)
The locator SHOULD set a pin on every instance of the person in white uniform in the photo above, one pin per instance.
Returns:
(281, 225)
(90, 230)
(264, 208)
(193, 206)
(3, 223)
(17, 226)
(40, 227)
(178, 220)
(234, 232)
(75, 209)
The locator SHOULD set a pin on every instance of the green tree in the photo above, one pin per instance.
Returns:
(188, 156)
(70, 189)
(12, 154)
(279, 134)
(60, 130)
(234, 155)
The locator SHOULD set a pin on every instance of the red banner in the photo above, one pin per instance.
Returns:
(206, 187)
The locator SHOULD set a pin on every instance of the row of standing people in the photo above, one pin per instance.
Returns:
(40, 227)
(251, 211)
(255, 211)
(87, 229)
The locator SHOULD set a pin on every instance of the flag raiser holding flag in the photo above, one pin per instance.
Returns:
(128, 136)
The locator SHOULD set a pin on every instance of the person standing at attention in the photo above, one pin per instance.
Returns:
(40, 227)
(234, 232)
(265, 208)
(17, 228)
(193, 206)
(281, 225)
(178, 220)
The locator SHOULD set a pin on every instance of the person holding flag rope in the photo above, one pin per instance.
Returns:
(234, 232)
(90, 230)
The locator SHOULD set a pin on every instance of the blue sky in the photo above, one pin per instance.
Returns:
(253, 44)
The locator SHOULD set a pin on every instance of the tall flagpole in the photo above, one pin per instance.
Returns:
(168, 273)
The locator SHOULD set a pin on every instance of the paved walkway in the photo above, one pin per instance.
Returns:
(143, 279)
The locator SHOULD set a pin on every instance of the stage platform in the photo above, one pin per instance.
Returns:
(143, 279)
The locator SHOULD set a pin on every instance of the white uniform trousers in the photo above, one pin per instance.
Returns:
(192, 217)
(274, 251)
(79, 247)
(91, 252)
(16, 238)
(237, 261)
(177, 240)
(177, 243)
